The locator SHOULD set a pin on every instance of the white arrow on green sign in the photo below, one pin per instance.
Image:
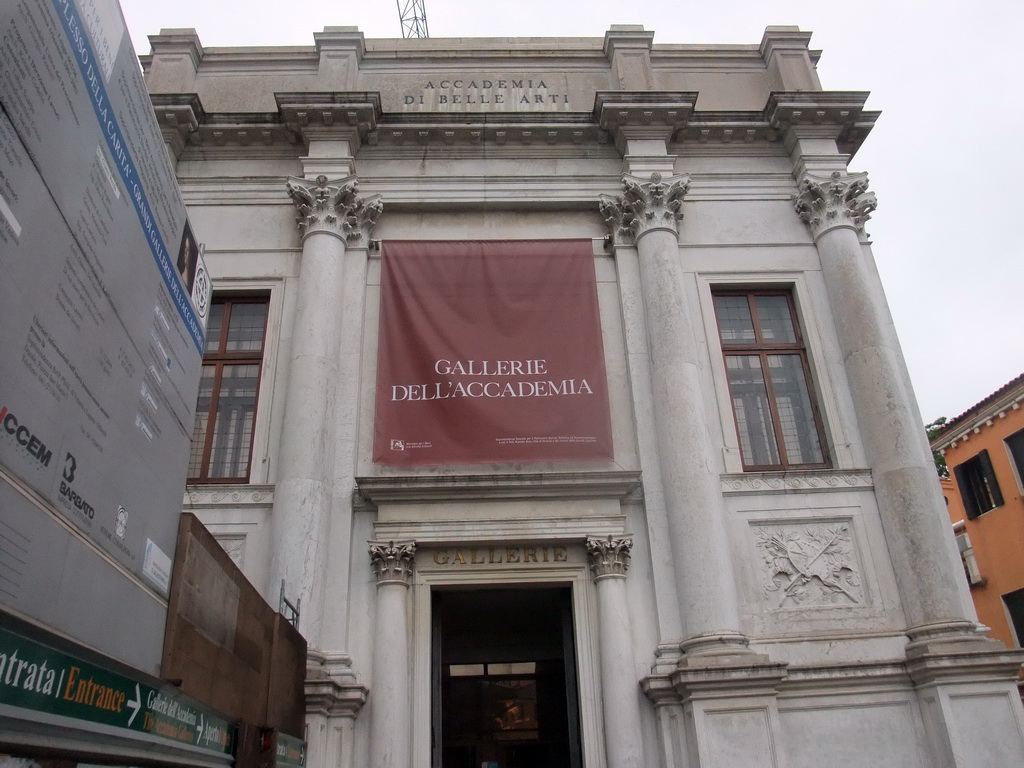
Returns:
(41, 679)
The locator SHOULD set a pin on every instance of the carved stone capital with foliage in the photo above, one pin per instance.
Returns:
(392, 563)
(644, 206)
(837, 201)
(334, 207)
(609, 557)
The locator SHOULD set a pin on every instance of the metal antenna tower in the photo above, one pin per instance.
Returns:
(414, 18)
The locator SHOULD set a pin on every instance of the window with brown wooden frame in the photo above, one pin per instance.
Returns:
(777, 420)
(226, 409)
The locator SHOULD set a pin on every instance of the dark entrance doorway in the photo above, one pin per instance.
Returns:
(504, 675)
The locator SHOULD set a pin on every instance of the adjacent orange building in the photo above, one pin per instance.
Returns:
(984, 450)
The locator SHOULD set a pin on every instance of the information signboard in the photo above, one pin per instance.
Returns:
(102, 335)
(35, 678)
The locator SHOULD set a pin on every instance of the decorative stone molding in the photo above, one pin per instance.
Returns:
(332, 698)
(331, 687)
(229, 496)
(644, 206)
(639, 115)
(550, 485)
(809, 564)
(392, 563)
(837, 201)
(335, 208)
(179, 117)
(609, 557)
(787, 482)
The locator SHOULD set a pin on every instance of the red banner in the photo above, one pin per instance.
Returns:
(490, 351)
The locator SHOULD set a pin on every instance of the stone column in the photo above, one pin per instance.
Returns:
(933, 590)
(949, 661)
(391, 694)
(609, 560)
(330, 214)
(646, 214)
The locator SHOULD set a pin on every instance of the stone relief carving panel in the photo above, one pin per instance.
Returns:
(809, 564)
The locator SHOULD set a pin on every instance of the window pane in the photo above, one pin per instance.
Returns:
(245, 333)
(213, 328)
(793, 402)
(776, 322)
(735, 324)
(233, 422)
(750, 404)
(195, 460)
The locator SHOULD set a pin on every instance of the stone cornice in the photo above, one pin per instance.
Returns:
(179, 115)
(534, 528)
(840, 200)
(631, 115)
(548, 486)
(330, 698)
(348, 115)
(838, 115)
(617, 115)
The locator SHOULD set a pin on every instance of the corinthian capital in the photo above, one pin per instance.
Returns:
(392, 563)
(609, 557)
(644, 206)
(836, 201)
(335, 208)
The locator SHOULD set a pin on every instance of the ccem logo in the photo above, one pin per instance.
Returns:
(24, 437)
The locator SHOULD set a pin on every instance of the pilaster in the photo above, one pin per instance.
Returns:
(609, 561)
(341, 49)
(647, 214)
(330, 216)
(790, 63)
(628, 48)
(333, 699)
(642, 124)
(390, 696)
(174, 59)
(333, 127)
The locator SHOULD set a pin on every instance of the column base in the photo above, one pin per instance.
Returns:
(718, 708)
(967, 689)
(333, 699)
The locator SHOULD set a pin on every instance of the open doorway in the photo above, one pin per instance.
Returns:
(504, 679)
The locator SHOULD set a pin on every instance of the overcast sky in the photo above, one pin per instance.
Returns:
(942, 159)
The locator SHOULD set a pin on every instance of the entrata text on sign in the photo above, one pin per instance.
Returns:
(490, 351)
(37, 678)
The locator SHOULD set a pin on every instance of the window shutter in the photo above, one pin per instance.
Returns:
(966, 492)
(1015, 442)
(990, 479)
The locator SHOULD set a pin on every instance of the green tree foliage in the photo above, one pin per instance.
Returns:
(932, 430)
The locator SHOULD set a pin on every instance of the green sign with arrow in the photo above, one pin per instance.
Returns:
(41, 679)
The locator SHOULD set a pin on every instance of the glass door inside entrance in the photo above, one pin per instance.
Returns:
(504, 679)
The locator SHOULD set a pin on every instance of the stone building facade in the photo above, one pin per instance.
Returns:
(983, 449)
(758, 573)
